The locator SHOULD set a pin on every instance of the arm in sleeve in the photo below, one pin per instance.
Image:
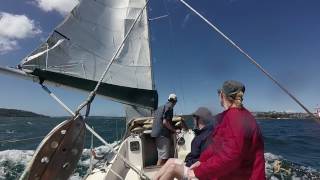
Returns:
(168, 125)
(194, 155)
(167, 112)
(167, 118)
(259, 162)
(227, 151)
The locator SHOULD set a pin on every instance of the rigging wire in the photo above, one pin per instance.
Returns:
(252, 60)
(159, 17)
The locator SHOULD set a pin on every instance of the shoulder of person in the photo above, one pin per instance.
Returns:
(168, 106)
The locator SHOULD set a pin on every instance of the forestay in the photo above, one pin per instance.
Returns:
(83, 44)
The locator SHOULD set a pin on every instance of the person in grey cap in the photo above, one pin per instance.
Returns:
(231, 94)
(203, 121)
(162, 130)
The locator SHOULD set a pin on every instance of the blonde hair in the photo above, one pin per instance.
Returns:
(236, 98)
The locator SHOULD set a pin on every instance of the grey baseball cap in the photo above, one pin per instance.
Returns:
(205, 114)
(232, 87)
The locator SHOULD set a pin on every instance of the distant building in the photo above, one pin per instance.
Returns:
(317, 113)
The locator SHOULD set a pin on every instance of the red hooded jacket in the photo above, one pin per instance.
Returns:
(237, 149)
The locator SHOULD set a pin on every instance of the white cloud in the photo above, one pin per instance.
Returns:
(17, 26)
(14, 27)
(7, 45)
(62, 6)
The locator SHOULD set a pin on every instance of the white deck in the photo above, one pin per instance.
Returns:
(139, 148)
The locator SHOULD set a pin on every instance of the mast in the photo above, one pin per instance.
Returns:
(150, 50)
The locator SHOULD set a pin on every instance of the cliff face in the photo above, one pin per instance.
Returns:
(18, 113)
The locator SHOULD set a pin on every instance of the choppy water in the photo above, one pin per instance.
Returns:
(296, 143)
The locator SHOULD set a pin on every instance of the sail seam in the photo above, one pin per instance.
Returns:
(62, 35)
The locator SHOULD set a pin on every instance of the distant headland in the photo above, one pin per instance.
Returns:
(258, 115)
(18, 113)
(281, 115)
(273, 115)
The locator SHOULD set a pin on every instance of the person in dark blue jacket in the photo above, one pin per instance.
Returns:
(203, 126)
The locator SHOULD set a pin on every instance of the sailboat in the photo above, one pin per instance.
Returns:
(103, 47)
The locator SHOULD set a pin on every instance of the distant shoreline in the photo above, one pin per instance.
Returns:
(271, 115)
(18, 113)
(280, 115)
(268, 118)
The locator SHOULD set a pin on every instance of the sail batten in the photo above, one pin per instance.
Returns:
(84, 43)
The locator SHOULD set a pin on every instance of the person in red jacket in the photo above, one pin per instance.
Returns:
(237, 151)
(237, 148)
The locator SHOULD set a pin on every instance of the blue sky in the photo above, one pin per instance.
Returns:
(189, 58)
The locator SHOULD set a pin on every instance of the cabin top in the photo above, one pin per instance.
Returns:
(144, 124)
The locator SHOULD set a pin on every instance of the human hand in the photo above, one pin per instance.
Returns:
(93, 152)
(191, 175)
(194, 165)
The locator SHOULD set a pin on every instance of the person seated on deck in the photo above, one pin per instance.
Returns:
(163, 128)
(203, 125)
(204, 122)
(237, 148)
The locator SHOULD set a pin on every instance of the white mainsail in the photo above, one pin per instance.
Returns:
(84, 43)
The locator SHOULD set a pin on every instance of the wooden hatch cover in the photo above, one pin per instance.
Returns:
(59, 152)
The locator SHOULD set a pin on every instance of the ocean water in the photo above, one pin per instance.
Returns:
(296, 143)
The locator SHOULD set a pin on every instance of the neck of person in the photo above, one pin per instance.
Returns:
(227, 105)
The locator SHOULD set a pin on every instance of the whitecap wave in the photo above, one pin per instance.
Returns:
(10, 131)
(12, 163)
(278, 168)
